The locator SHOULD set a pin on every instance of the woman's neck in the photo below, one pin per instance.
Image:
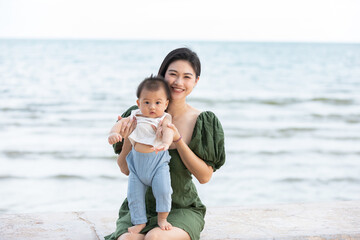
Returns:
(177, 108)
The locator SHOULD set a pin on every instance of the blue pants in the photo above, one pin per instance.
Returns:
(148, 169)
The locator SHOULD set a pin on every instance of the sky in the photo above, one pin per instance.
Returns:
(217, 20)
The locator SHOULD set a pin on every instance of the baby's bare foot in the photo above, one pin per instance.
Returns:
(136, 228)
(164, 224)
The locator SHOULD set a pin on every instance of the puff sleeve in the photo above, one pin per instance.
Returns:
(118, 146)
(208, 140)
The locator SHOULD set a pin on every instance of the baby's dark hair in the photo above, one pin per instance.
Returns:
(154, 83)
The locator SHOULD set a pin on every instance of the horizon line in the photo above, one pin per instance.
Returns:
(176, 40)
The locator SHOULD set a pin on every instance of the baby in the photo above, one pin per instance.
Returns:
(148, 161)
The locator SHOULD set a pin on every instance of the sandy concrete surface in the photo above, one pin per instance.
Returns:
(310, 221)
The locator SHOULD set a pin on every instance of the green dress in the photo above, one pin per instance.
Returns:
(187, 210)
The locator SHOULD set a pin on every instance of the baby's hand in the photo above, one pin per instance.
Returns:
(114, 138)
(161, 147)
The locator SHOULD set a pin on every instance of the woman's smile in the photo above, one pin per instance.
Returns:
(177, 89)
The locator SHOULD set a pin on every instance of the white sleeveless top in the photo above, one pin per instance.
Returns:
(144, 133)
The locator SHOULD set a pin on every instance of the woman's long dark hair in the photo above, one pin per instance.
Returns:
(181, 54)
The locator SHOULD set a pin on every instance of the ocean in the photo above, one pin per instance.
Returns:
(290, 113)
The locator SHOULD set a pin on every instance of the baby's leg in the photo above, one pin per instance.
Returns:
(136, 199)
(162, 190)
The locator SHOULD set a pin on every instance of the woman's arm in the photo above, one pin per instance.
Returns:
(193, 163)
(125, 131)
(167, 133)
(164, 133)
(121, 160)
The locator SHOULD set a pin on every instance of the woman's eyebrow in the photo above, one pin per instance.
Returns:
(173, 70)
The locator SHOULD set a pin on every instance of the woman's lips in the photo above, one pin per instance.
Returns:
(176, 89)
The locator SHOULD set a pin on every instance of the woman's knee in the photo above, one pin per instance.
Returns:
(125, 236)
(154, 235)
(131, 236)
(174, 234)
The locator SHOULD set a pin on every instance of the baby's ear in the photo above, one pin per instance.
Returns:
(138, 103)
(167, 103)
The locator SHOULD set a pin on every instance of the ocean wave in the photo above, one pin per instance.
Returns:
(8, 177)
(315, 133)
(292, 180)
(66, 177)
(274, 133)
(337, 153)
(334, 101)
(233, 151)
(275, 101)
(79, 177)
(339, 138)
(348, 118)
(318, 180)
(54, 155)
(58, 177)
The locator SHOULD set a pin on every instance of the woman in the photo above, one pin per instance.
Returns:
(198, 149)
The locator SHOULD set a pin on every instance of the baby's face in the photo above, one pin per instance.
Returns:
(153, 103)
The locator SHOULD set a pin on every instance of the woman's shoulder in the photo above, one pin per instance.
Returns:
(206, 117)
(207, 121)
(201, 115)
(129, 110)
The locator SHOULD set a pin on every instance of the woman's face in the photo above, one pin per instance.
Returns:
(181, 78)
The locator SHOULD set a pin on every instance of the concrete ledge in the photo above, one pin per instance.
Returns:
(311, 221)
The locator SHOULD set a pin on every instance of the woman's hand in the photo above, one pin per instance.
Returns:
(159, 131)
(127, 127)
(177, 135)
